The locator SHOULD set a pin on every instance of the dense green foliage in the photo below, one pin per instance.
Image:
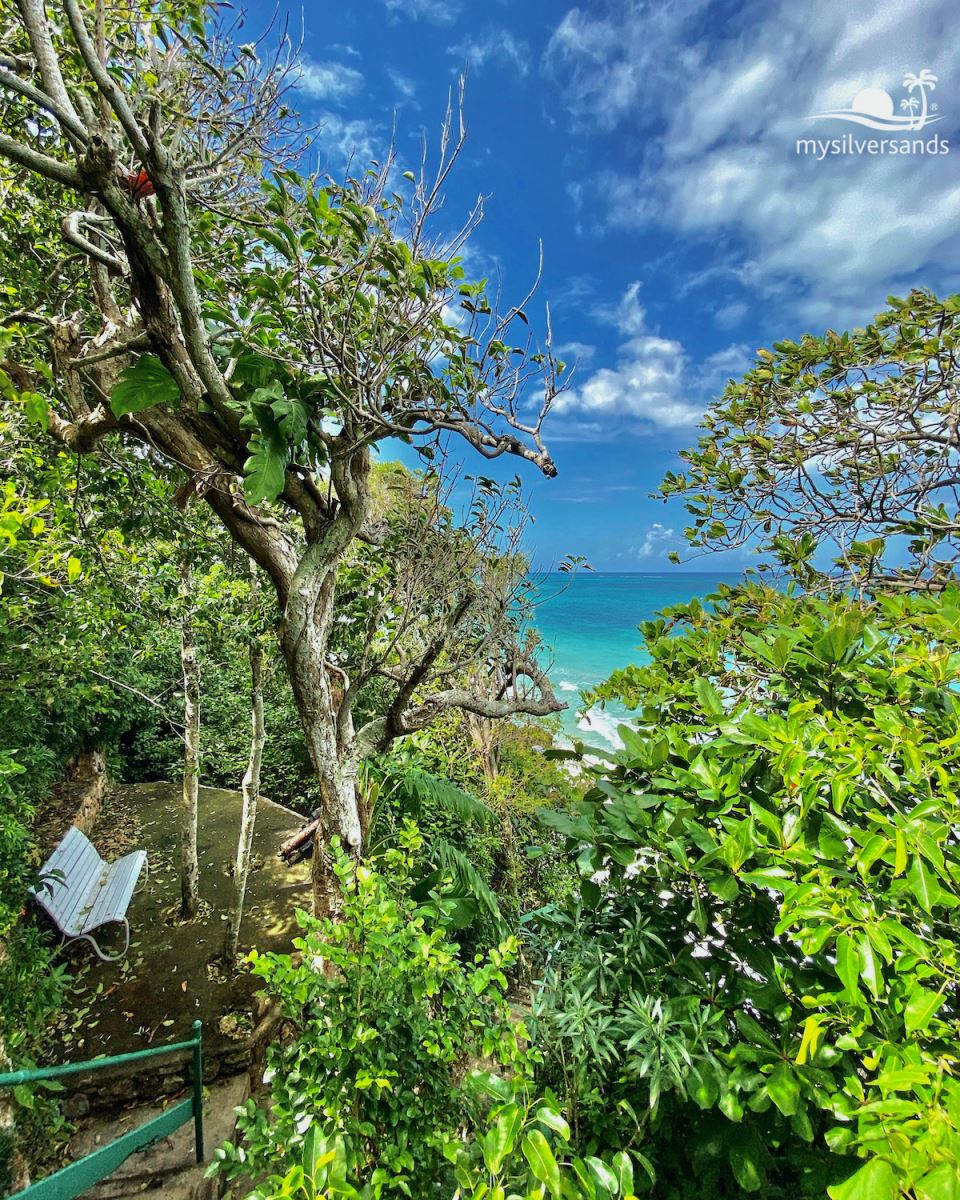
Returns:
(760, 973)
(838, 453)
(377, 1091)
(386, 1016)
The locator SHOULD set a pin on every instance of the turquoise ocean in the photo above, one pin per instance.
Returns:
(589, 623)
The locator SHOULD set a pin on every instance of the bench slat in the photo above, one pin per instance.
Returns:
(81, 866)
(113, 896)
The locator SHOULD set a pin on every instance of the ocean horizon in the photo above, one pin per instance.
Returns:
(588, 623)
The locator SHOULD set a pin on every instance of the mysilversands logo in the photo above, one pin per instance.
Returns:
(873, 108)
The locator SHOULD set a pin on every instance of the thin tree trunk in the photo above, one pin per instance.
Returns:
(485, 739)
(318, 691)
(14, 1174)
(189, 865)
(251, 781)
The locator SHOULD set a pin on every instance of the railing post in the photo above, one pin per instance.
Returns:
(198, 1087)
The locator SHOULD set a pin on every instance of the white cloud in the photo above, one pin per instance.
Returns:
(716, 121)
(657, 542)
(498, 46)
(330, 81)
(406, 88)
(575, 352)
(653, 384)
(728, 316)
(647, 383)
(344, 139)
(628, 314)
(439, 12)
(607, 63)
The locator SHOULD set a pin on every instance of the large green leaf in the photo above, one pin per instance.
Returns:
(537, 1152)
(420, 788)
(500, 1140)
(265, 469)
(920, 1008)
(942, 1183)
(454, 862)
(553, 1120)
(874, 1181)
(744, 1156)
(923, 884)
(144, 384)
(848, 965)
(783, 1089)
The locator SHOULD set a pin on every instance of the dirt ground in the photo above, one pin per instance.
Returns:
(170, 977)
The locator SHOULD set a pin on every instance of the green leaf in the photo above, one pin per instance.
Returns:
(920, 1008)
(623, 1167)
(264, 471)
(942, 1183)
(602, 1174)
(74, 569)
(709, 697)
(487, 1084)
(871, 969)
(783, 1088)
(36, 408)
(500, 1140)
(537, 1152)
(923, 884)
(144, 384)
(874, 1181)
(848, 965)
(554, 1121)
(809, 1041)
(744, 1156)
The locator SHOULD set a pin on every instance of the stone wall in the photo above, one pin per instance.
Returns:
(156, 1078)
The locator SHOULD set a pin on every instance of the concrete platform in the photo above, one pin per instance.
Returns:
(170, 977)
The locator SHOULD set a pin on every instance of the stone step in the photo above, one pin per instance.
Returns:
(168, 1166)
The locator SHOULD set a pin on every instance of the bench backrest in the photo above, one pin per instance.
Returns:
(67, 879)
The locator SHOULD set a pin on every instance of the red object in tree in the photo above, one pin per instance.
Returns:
(139, 185)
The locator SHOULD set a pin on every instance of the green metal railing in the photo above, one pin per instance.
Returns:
(85, 1172)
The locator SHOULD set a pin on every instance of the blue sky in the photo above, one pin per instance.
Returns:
(651, 146)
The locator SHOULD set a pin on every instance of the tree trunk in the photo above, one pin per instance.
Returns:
(189, 866)
(251, 782)
(14, 1174)
(483, 733)
(318, 691)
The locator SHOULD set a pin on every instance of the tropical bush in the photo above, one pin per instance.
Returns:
(522, 1151)
(758, 978)
(385, 1020)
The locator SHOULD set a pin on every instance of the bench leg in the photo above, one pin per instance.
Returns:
(87, 937)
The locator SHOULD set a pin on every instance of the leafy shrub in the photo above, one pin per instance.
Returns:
(522, 1151)
(385, 1021)
(761, 973)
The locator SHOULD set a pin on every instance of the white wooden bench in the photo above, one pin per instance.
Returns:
(80, 892)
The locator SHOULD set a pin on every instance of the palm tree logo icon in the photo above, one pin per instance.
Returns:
(922, 82)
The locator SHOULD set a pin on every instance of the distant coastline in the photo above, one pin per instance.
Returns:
(589, 623)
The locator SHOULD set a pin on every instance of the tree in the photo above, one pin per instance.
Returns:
(261, 332)
(764, 981)
(845, 444)
(189, 808)
(250, 786)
